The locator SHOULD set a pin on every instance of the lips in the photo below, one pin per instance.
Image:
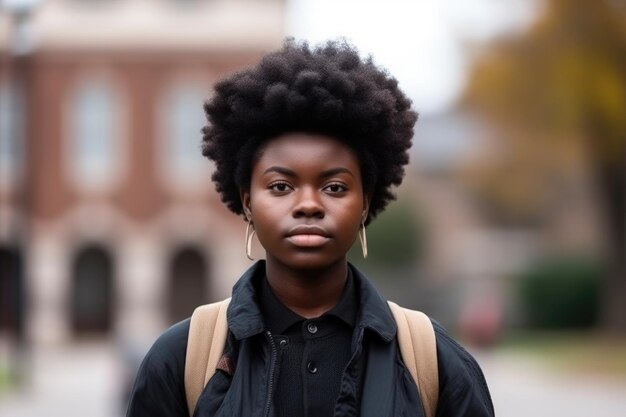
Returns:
(308, 236)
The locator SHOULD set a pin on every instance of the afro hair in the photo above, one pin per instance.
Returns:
(326, 90)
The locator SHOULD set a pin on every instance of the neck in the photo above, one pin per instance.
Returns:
(309, 293)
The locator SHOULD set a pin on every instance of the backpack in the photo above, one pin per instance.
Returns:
(207, 337)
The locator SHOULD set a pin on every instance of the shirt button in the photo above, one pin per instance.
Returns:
(311, 367)
(312, 328)
(283, 343)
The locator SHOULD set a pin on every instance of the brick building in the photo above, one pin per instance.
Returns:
(109, 224)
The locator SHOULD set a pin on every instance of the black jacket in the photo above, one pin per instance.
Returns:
(374, 384)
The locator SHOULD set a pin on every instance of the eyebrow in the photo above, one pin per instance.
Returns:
(325, 174)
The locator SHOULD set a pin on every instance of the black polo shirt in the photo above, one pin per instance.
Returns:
(313, 353)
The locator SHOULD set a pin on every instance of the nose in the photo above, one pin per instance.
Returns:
(308, 204)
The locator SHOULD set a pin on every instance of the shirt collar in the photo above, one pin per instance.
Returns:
(279, 317)
(347, 307)
(245, 318)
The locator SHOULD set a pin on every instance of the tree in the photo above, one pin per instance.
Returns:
(564, 80)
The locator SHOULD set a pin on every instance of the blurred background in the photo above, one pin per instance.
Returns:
(510, 226)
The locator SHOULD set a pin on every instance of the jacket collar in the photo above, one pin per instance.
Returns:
(374, 312)
(245, 318)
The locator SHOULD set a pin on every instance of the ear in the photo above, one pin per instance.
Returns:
(366, 207)
(245, 202)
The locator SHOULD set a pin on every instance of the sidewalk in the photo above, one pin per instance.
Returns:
(521, 387)
(87, 380)
(76, 381)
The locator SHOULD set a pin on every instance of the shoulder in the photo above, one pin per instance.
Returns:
(171, 345)
(461, 380)
(165, 360)
(453, 357)
(159, 388)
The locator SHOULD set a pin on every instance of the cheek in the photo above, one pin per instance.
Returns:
(265, 215)
(352, 209)
(351, 218)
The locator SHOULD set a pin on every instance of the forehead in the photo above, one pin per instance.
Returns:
(304, 149)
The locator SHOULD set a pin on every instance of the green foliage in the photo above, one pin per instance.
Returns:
(562, 292)
(394, 239)
(6, 379)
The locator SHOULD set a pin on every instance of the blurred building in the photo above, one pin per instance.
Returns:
(478, 247)
(109, 223)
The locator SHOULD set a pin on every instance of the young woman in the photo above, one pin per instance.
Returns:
(307, 146)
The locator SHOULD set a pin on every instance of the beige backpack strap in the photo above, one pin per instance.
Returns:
(207, 337)
(418, 348)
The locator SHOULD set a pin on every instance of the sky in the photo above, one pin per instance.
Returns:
(426, 44)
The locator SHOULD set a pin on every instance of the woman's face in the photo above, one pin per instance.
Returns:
(306, 200)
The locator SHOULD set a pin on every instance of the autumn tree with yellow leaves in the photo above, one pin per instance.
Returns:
(563, 84)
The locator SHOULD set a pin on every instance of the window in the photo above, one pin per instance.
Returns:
(11, 134)
(181, 150)
(93, 151)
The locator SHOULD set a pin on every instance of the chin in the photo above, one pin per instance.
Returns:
(311, 262)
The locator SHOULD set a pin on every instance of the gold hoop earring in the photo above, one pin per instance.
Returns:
(249, 237)
(363, 239)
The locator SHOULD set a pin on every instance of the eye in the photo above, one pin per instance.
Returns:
(335, 188)
(279, 187)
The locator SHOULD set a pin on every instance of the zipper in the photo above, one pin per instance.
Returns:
(270, 382)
